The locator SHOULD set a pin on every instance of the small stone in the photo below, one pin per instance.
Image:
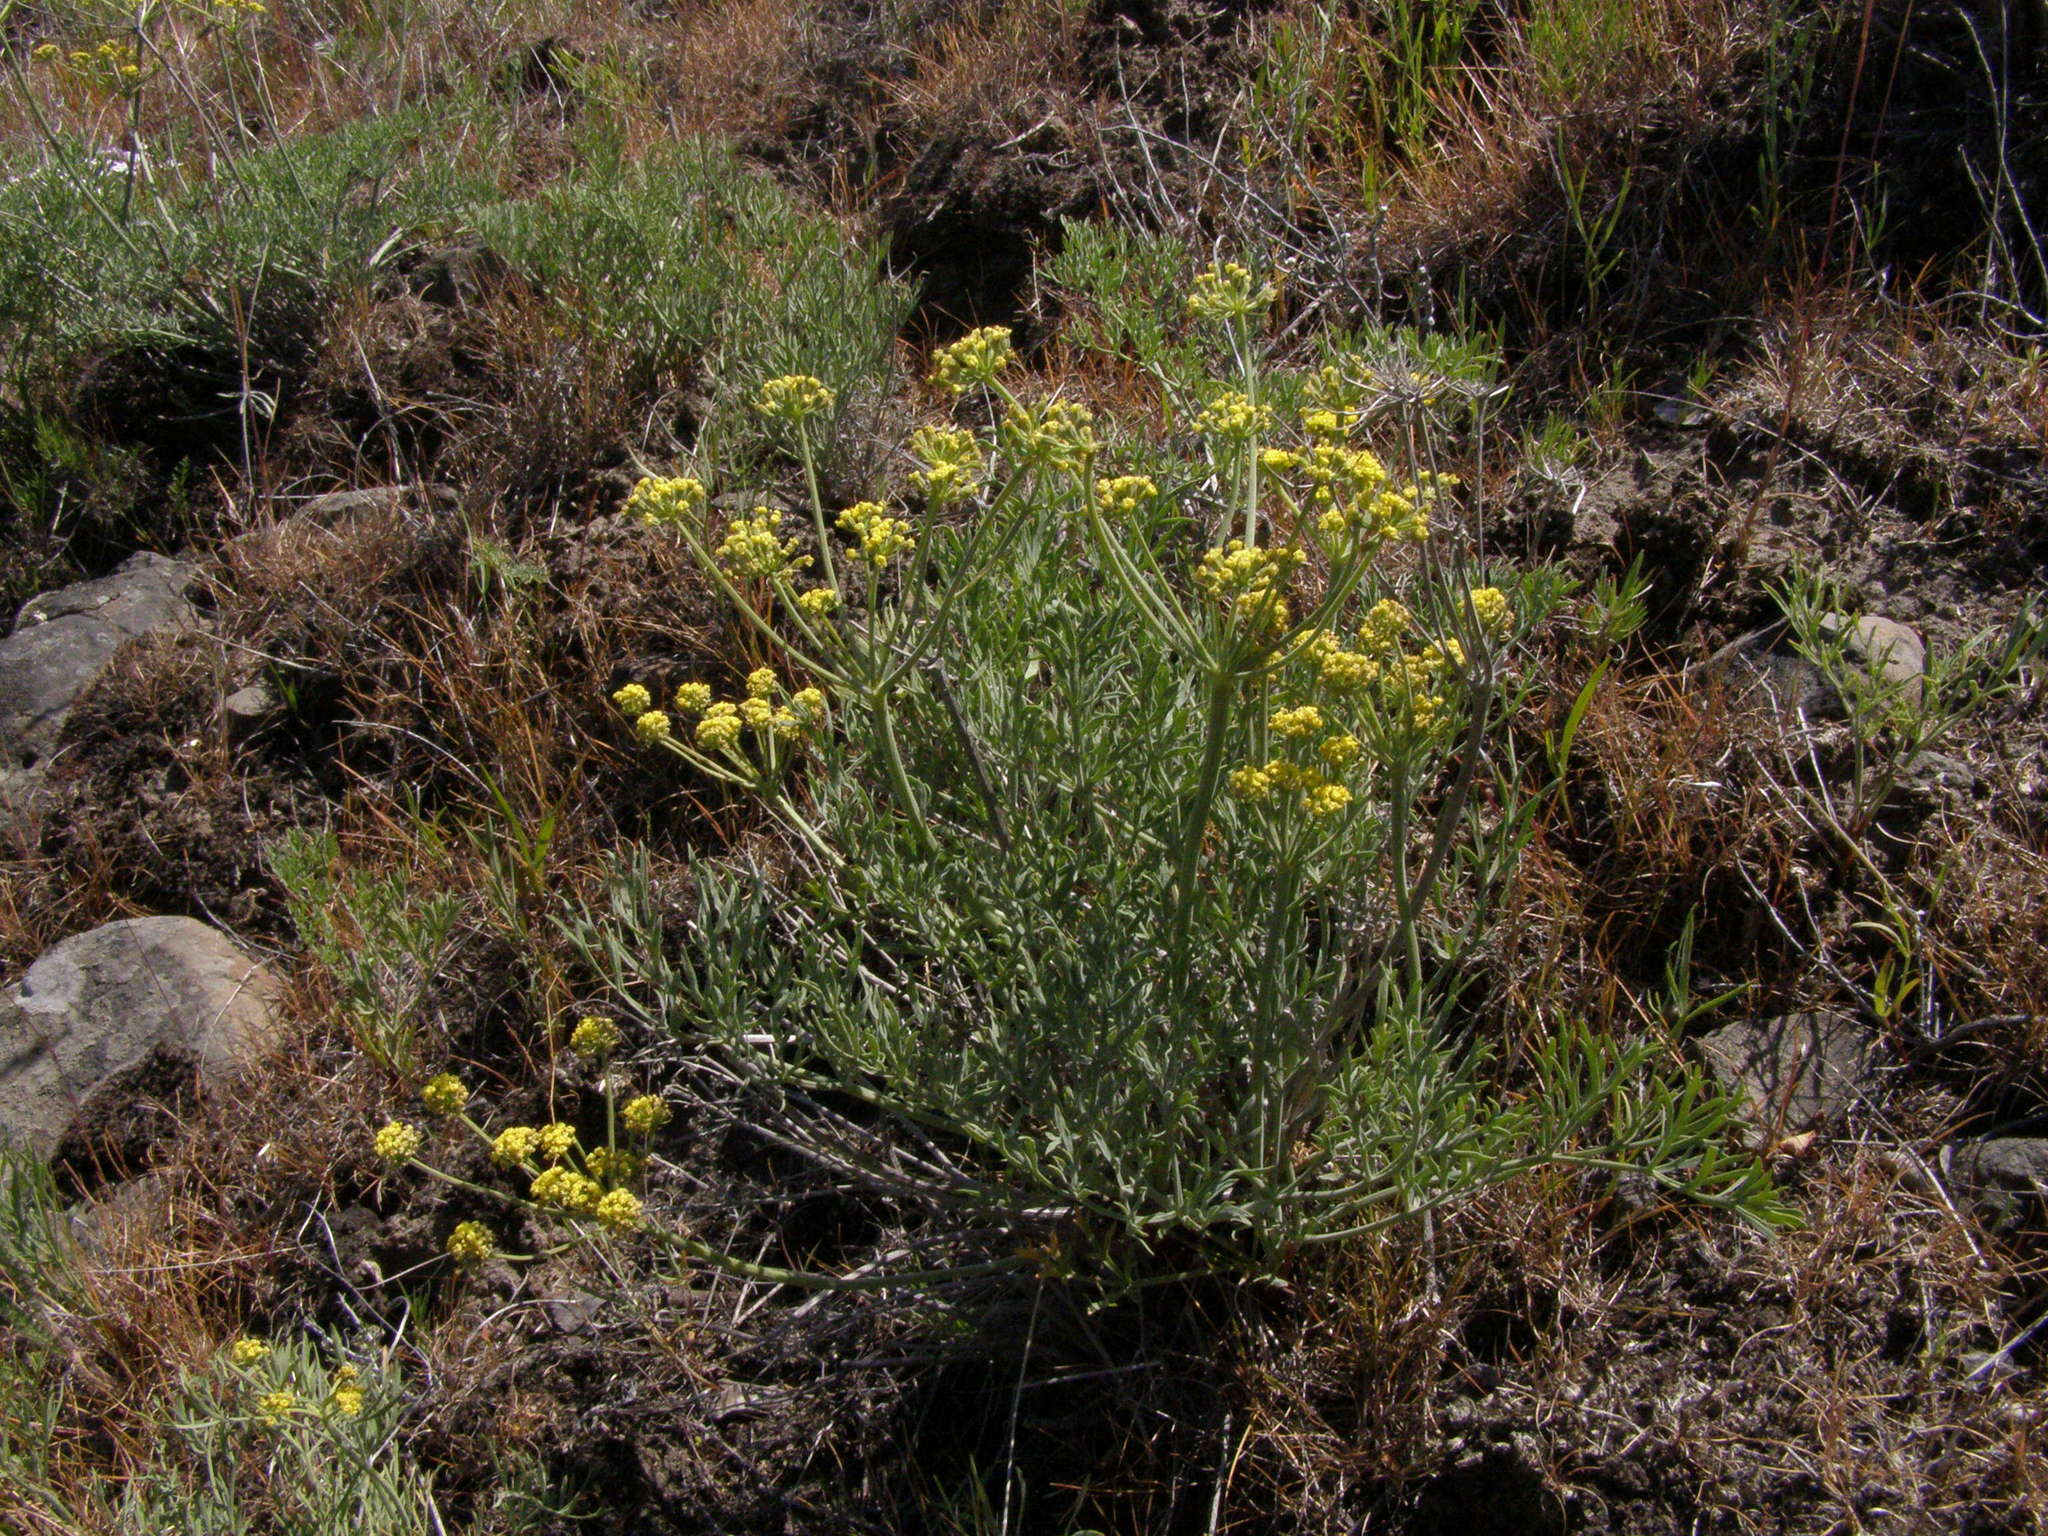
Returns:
(248, 710)
(1798, 1071)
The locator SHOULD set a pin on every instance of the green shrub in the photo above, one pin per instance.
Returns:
(1146, 822)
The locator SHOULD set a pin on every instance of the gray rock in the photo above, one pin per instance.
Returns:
(335, 507)
(248, 710)
(1764, 667)
(1797, 1071)
(2000, 1178)
(1888, 651)
(64, 640)
(126, 1005)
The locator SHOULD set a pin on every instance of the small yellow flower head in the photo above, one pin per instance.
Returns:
(1283, 775)
(1443, 656)
(952, 464)
(657, 502)
(653, 726)
(397, 1142)
(1384, 626)
(1339, 752)
(633, 701)
(819, 602)
(1347, 671)
(758, 714)
(613, 1167)
(471, 1243)
(794, 397)
(346, 1398)
(975, 358)
(762, 683)
(1322, 424)
(1249, 582)
(562, 1189)
(1278, 461)
(693, 698)
(594, 1038)
(620, 1210)
(1232, 416)
(1333, 525)
(1228, 292)
(248, 1351)
(1491, 608)
(645, 1115)
(881, 536)
(1325, 799)
(444, 1095)
(1305, 721)
(1251, 783)
(787, 724)
(47, 52)
(720, 728)
(809, 703)
(555, 1139)
(753, 547)
(1060, 433)
(275, 1407)
(514, 1145)
(1124, 495)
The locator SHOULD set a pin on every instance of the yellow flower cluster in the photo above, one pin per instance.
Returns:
(645, 1115)
(397, 1142)
(721, 727)
(652, 726)
(1385, 625)
(563, 1189)
(1232, 416)
(1060, 433)
(445, 1094)
(276, 1406)
(753, 547)
(724, 721)
(594, 1038)
(1249, 581)
(1229, 292)
(633, 701)
(514, 1145)
(657, 502)
(952, 464)
(556, 1140)
(882, 537)
(608, 1166)
(112, 63)
(248, 1351)
(471, 1243)
(1259, 784)
(346, 1394)
(1490, 606)
(794, 397)
(975, 358)
(620, 1210)
(1296, 723)
(1125, 494)
(819, 602)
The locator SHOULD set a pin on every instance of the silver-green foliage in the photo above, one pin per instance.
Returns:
(1032, 918)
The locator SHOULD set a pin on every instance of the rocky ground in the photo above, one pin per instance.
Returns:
(319, 645)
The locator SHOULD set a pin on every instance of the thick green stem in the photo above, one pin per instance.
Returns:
(899, 776)
(1216, 731)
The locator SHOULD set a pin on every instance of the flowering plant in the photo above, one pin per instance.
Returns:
(1118, 868)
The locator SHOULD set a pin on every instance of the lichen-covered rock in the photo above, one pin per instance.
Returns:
(123, 1011)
